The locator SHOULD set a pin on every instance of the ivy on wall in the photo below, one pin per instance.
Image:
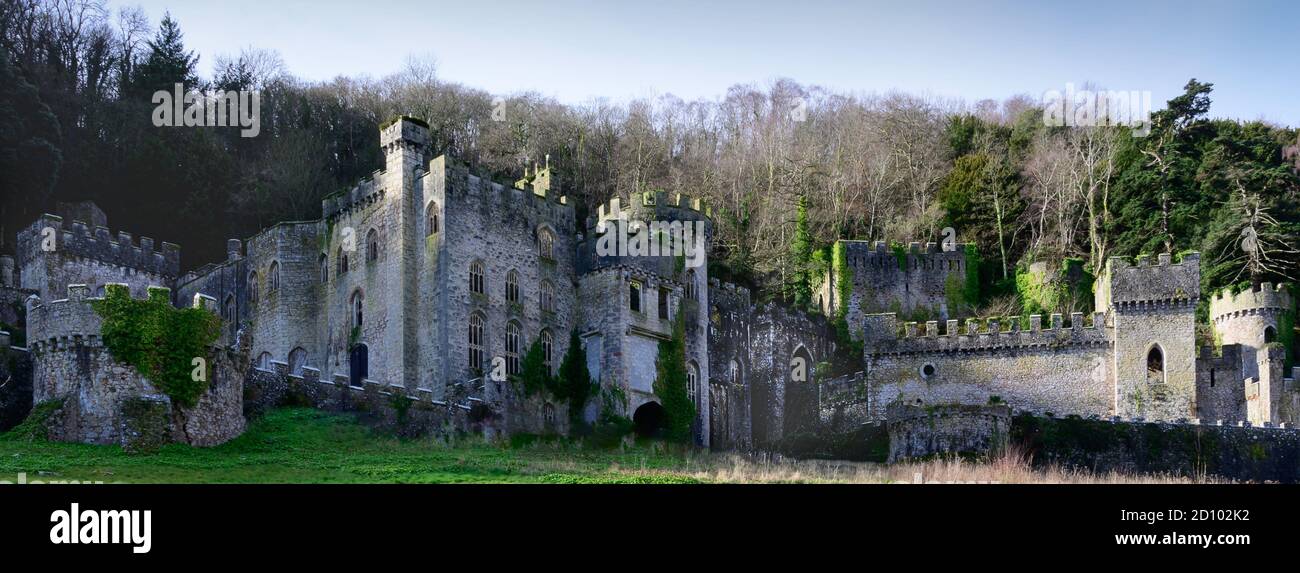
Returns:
(670, 384)
(159, 340)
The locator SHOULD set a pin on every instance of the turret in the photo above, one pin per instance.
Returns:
(1250, 318)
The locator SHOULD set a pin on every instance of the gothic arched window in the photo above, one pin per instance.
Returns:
(476, 343)
(477, 281)
(431, 219)
(513, 344)
(512, 286)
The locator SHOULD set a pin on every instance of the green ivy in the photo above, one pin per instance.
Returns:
(670, 384)
(159, 340)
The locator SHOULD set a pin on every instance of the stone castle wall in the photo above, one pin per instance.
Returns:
(71, 363)
(1038, 369)
(54, 253)
(915, 280)
(916, 431)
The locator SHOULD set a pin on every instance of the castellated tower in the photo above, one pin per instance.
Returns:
(1250, 318)
(1152, 309)
(627, 301)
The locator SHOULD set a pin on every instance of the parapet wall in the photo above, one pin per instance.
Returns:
(78, 239)
(1269, 299)
(883, 335)
(1160, 281)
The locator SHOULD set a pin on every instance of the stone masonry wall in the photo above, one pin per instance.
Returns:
(1040, 369)
(70, 362)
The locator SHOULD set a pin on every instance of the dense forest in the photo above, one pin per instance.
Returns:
(787, 168)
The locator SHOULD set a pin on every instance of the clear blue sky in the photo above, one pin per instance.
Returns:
(970, 49)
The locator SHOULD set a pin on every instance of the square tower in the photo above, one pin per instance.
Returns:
(1152, 308)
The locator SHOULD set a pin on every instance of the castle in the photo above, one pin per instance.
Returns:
(419, 280)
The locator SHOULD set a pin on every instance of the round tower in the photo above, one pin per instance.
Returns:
(1250, 318)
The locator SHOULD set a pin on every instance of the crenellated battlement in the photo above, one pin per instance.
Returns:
(652, 205)
(78, 239)
(885, 335)
(1269, 299)
(1148, 283)
(72, 322)
(875, 256)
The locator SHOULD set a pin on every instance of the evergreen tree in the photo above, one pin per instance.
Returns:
(168, 63)
(533, 373)
(574, 381)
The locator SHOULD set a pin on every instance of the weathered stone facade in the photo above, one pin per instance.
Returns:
(71, 364)
(910, 280)
(916, 432)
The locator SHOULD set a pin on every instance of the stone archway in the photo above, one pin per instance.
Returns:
(648, 419)
(800, 406)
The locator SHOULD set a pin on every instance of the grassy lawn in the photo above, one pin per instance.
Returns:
(310, 446)
(301, 445)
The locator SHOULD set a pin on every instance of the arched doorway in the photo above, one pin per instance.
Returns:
(358, 365)
(648, 419)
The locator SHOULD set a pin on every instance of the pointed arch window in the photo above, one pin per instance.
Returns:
(477, 280)
(372, 246)
(512, 286)
(431, 219)
(547, 296)
(273, 277)
(1155, 365)
(357, 305)
(513, 343)
(476, 343)
(324, 268)
(548, 350)
(545, 244)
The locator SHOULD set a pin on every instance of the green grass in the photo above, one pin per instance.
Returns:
(298, 445)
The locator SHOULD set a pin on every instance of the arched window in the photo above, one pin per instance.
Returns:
(273, 277)
(548, 413)
(512, 286)
(252, 287)
(513, 343)
(228, 308)
(477, 282)
(1155, 365)
(735, 372)
(634, 296)
(372, 246)
(476, 339)
(548, 349)
(357, 303)
(297, 361)
(264, 361)
(690, 284)
(1270, 335)
(547, 296)
(692, 381)
(431, 219)
(324, 268)
(545, 243)
(343, 262)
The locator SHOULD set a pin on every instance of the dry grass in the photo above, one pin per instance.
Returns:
(1012, 467)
